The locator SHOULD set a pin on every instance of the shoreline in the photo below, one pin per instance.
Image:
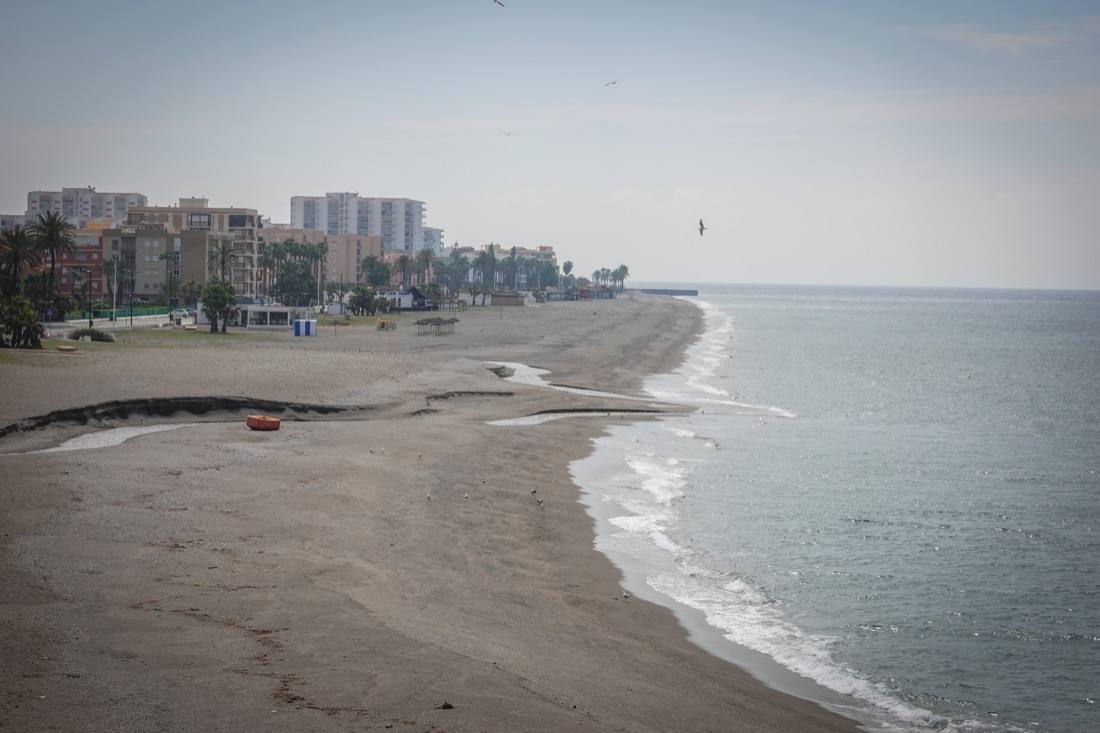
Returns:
(318, 579)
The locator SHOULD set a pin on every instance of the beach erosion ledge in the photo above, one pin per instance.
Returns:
(411, 567)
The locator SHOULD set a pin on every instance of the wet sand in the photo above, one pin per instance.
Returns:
(346, 574)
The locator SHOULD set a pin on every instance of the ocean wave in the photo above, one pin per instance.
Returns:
(691, 383)
(664, 483)
(742, 612)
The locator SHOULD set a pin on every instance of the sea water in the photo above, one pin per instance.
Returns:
(894, 494)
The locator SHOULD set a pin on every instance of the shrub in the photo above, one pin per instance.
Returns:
(93, 334)
(19, 324)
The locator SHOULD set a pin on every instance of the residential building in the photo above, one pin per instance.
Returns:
(237, 226)
(7, 221)
(433, 239)
(80, 204)
(398, 221)
(344, 259)
(144, 247)
(82, 265)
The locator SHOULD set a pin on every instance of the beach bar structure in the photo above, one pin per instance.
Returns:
(253, 315)
(508, 299)
(435, 326)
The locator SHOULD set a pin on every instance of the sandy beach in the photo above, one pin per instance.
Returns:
(387, 567)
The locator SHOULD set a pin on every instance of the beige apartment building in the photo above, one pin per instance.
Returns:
(344, 260)
(144, 247)
(201, 226)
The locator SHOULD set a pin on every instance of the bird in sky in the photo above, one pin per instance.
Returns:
(498, 2)
(612, 82)
(701, 228)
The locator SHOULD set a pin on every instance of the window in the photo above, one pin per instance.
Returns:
(238, 220)
(198, 221)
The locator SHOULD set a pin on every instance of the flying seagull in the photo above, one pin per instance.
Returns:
(498, 2)
(701, 228)
(613, 81)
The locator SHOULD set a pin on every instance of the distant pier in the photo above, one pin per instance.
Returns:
(665, 291)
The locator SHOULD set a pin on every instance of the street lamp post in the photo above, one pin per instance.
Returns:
(88, 295)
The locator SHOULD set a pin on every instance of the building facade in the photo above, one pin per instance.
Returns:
(78, 205)
(144, 248)
(433, 239)
(81, 271)
(239, 227)
(7, 221)
(398, 221)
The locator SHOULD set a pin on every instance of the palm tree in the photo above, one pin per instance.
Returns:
(567, 267)
(264, 261)
(460, 269)
(623, 272)
(54, 235)
(425, 258)
(18, 251)
(222, 258)
(115, 270)
(370, 267)
(404, 265)
(171, 264)
(486, 264)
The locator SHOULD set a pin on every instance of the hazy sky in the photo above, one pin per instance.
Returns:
(917, 143)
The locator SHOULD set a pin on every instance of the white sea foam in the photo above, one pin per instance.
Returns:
(545, 417)
(743, 613)
(692, 383)
(747, 617)
(535, 377)
(665, 483)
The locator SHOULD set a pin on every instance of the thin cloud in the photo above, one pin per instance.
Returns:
(994, 42)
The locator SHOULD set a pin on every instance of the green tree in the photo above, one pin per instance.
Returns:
(425, 258)
(370, 267)
(621, 273)
(459, 270)
(362, 301)
(19, 324)
(337, 290)
(116, 272)
(405, 265)
(190, 291)
(18, 252)
(171, 280)
(55, 237)
(221, 259)
(218, 302)
(486, 265)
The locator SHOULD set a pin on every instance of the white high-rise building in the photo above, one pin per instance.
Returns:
(433, 239)
(80, 205)
(399, 222)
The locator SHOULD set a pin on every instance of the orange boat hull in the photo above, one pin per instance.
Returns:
(262, 422)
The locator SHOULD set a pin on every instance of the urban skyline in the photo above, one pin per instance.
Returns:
(933, 144)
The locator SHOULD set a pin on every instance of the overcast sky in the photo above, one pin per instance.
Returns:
(877, 143)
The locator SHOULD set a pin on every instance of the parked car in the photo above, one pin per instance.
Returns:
(183, 314)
